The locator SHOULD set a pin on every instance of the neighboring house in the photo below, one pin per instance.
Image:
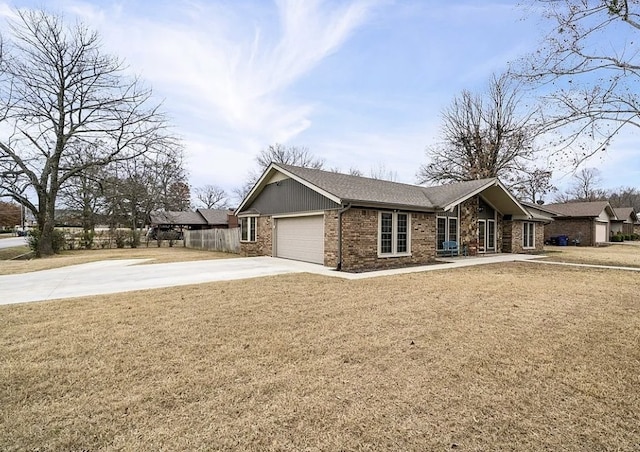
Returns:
(625, 222)
(585, 223)
(355, 223)
(200, 219)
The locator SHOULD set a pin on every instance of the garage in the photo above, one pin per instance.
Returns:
(301, 238)
(601, 232)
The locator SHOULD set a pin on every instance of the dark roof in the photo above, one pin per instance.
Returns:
(444, 195)
(624, 213)
(178, 218)
(215, 216)
(350, 188)
(539, 211)
(578, 209)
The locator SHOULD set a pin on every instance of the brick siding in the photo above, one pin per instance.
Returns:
(331, 238)
(512, 232)
(263, 244)
(360, 241)
(582, 229)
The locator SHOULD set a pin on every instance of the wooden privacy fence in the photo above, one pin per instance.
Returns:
(226, 240)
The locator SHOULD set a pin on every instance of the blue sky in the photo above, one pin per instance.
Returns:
(361, 83)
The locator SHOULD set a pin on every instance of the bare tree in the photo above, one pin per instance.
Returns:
(59, 93)
(211, 197)
(585, 187)
(588, 57)
(533, 185)
(353, 171)
(625, 197)
(482, 136)
(153, 181)
(278, 153)
(83, 193)
(289, 155)
(381, 172)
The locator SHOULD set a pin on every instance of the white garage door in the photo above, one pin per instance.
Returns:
(601, 232)
(301, 238)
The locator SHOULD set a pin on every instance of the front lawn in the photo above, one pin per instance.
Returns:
(622, 255)
(516, 356)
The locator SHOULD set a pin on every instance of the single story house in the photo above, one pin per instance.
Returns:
(626, 220)
(356, 223)
(585, 223)
(200, 219)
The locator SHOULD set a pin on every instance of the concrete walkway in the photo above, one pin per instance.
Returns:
(114, 276)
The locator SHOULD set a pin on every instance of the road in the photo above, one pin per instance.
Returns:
(12, 241)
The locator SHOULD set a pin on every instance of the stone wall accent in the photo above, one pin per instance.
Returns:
(636, 229)
(360, 241)
(582, 229)
(469, 224)
(263, 246)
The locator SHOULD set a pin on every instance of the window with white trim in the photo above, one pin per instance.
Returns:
(528, 235)
(248, 229)
(446, 230)
(394, 238)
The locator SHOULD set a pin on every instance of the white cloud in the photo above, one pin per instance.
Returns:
(225, 72)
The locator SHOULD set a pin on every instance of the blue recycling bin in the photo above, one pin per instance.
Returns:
(563, 240)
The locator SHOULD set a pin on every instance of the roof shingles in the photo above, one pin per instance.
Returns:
(350, 188)
(578, 209)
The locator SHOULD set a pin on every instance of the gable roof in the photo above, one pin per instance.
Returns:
(215, 216)
(625, 213)
(538, 211)
(344, 189)
(188, 217)
(581, 209)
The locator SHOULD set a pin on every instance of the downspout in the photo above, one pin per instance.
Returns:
(340, 212)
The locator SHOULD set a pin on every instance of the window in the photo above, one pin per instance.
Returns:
(491, 235)
(393, 234)
(446, 230)
(528, 235)
(248, 229)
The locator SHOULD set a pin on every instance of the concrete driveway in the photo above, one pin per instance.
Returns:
(113, 276)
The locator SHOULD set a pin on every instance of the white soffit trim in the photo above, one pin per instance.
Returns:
(469, 195)
(522, 208)
(494, 182)
(254, 190)
(310, 213)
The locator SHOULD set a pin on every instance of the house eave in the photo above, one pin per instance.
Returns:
(268, 173)
(492, 183)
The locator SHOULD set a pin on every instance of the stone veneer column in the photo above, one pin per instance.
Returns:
(469, 221)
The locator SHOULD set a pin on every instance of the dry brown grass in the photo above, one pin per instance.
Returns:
(66, 258)
(13, 252)
(502, 357)
(627, 255)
